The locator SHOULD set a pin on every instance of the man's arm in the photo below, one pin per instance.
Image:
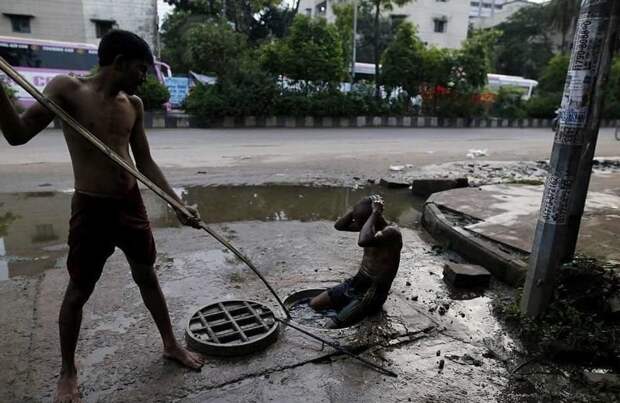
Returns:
(344, 223)
(370, 237)
(147, 166)
(18, 130)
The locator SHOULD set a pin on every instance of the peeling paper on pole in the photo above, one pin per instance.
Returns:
(580, 78)
(556, 199)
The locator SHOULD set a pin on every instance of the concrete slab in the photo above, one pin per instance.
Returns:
(509, 214)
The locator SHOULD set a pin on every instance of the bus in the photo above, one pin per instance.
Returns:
(39, 61)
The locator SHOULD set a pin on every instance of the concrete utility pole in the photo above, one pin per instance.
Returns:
(573, 149)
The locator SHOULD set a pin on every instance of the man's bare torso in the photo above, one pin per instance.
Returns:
(111, 120)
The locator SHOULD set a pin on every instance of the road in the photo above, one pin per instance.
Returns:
(254, 156)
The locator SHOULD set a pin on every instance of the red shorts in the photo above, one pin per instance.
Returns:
(98, 225)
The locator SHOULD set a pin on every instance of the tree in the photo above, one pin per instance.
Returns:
(403, 61)
(525, 46)
(562, 15)
(311, 53)
(473, 60)
(153, 93)
(174, 37)
(214, 47)
(554, 75)
(381, 5)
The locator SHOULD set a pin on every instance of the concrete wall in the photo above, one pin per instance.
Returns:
(71, 20)
(60, 20)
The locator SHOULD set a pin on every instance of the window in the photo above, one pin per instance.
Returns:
(44, 233)
(50, 57)
(440, 24)
(309, 12)
(20, 23)
(103, 26)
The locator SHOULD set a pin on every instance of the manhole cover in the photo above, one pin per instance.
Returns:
(231, 328)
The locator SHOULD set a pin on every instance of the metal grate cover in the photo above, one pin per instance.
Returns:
(229, 328)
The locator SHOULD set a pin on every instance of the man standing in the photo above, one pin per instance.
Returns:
(107, 209)
(365, 293)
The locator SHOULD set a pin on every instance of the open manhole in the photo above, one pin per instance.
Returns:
(229, 328)
(298, 304)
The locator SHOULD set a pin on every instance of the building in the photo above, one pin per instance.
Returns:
(78, 20)
(441, 23)
(489, 13)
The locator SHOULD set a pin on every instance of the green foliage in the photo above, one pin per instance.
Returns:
(473, 61)
(457, 105)
(312, 52)
(525, 45)
(577, 325)
(543, 106)
(215, 48)
(554, 74)
(153, 93)
(174, 36)
(11, 93)
(344, 26)
(248, 91)
(562, 15)
(403, 61)
(5, 222)
(612, 92)
(509, 103)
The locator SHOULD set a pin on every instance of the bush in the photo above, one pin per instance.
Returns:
(11, 93)
(509, 104)
(543, 106)
(153, 94)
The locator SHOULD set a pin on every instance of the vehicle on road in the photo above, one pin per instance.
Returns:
(39, 61)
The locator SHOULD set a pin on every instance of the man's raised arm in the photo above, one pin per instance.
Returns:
(20, 129)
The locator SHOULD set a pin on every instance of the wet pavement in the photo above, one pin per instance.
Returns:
(119, 353)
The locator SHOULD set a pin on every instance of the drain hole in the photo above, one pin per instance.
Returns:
(301, 312)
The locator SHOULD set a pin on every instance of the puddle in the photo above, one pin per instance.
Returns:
(34, 226)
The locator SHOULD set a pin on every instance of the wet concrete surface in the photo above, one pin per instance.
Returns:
(119, 353)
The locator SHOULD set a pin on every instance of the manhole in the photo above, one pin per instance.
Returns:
(229, 328)
(298, 305)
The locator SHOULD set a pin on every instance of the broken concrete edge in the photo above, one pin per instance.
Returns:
(502, 265)
(163, 120)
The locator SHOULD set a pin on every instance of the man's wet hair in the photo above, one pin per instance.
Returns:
(119, 42)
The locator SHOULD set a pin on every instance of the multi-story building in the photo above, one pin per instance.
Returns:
(78, 20)
(489, 13)
(441, 23)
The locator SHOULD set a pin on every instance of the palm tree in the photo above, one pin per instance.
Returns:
(562, 15)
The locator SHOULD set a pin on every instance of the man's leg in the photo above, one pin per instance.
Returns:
(146, 279)
(321, 302)
(69, 323)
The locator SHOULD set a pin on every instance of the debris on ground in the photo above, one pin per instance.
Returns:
(476, 153)
(397, 168)
(465, 359)
(465, 275)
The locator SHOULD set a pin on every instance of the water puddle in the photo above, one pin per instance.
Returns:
(34, 226)
(303, 314)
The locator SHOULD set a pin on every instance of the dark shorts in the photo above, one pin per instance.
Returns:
(100, 224)
(348, 300)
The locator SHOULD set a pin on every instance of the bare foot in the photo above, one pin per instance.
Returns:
(184, 357)
(67, 389)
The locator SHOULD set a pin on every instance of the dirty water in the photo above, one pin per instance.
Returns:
(34, 225)
(303, 314)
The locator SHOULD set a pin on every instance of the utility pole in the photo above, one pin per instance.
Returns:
(573, 149)
(354, 43)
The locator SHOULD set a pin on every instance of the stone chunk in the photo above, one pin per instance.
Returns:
(604, 381)
(426, 187)
(393, 183)
(465, 275)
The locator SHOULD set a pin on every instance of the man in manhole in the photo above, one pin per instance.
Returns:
(364, 293)
(107, 209)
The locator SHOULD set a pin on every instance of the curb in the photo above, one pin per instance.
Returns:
(488, 254)
(161, 120)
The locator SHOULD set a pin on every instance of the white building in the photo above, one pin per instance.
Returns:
(442, 23)
(78, 20)
(489, 13)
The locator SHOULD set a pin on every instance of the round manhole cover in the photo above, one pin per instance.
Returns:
(232, 328)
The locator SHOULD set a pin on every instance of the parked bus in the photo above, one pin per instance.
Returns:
(39, 61)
